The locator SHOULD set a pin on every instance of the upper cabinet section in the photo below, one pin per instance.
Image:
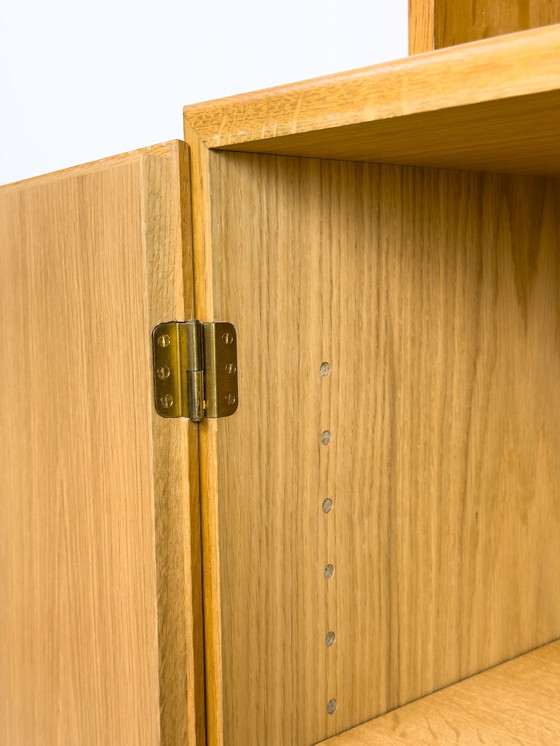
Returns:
(489, 105)
(433, 24)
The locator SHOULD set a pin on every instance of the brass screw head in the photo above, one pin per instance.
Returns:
(230, 399)
(227, 338)
(230, 368)
(166, 401)
(164, 340)
(163, 372)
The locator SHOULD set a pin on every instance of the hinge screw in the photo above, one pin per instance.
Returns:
(230, 368)
(164, 340)
(228, 338)
(230, 399)
(163, 372)
(166, 401)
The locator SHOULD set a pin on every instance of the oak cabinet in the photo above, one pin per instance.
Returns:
(380, 517)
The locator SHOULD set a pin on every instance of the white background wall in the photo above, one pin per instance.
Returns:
(80, 81)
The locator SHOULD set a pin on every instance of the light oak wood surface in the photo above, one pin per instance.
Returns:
(100, 622)
(434, 296)
(202, 196)
(515, 704)
(421, 26)
(459, 22)
(433, 24)
(490, 105)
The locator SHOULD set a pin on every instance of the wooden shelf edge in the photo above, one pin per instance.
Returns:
(515, 702)
(519, 64)
(487, 105)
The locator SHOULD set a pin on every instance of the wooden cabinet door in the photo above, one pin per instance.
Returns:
(99, 622)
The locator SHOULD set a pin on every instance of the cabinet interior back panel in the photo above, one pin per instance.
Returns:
(434, 298)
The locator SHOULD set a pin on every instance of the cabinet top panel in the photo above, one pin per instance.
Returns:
(164, 149)
(487, 105)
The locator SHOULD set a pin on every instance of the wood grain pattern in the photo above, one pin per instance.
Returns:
(421, 26)
(202, 196)
(170, 287)
(516, 703)
(490, 105)
(434, 24)
(469, 20)
(434, 296)
(100, 618)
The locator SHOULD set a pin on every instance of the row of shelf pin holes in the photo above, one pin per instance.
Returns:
(327, 506)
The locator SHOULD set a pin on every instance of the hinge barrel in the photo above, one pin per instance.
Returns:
(195, 371)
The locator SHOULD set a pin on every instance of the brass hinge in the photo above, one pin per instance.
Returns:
(195, 369)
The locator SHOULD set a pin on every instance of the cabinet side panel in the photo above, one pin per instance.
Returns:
(434, 298)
